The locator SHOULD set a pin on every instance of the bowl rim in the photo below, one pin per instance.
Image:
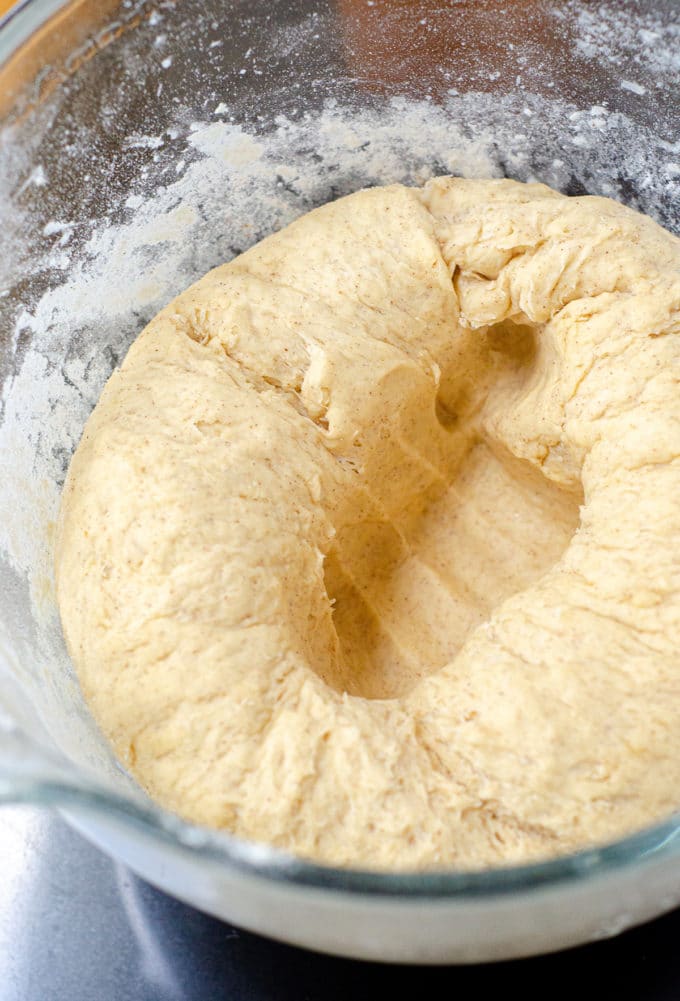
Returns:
(257, 860)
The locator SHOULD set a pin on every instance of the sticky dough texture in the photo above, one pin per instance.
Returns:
(370, 547)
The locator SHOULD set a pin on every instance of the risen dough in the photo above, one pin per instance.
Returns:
(370, 547)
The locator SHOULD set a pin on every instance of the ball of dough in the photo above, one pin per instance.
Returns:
(369, 550)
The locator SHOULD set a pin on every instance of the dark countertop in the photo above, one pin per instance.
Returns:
(76, 926)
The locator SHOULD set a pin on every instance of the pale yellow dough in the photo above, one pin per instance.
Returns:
(370, 548)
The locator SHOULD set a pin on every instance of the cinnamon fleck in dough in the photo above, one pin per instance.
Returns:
(370, 547)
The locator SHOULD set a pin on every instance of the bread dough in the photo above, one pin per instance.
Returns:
(370, 548)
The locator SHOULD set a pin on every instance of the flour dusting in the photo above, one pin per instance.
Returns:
(609, 32)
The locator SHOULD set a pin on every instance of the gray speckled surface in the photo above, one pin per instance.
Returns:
(76, 926)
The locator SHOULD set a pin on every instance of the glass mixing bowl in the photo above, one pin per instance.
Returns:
(140, 145)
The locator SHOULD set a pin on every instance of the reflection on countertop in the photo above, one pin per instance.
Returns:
(76, 926)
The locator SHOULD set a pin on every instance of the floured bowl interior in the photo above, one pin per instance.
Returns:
(142, 144)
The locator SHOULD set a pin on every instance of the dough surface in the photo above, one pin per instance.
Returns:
(370, 547)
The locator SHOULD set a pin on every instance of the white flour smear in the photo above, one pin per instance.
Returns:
(603, 32)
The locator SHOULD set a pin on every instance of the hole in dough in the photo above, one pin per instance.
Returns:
(407, 591)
